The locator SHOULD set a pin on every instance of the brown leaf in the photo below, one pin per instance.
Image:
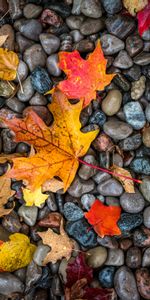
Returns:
(61, 245)
(52, 185)
(3, 38)
(5, 194)
(76, 292)
(127, 184)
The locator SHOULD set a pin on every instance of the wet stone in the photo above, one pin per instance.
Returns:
(33, 274)
(22, 42)
(111, 187)
(38, 99)
(121, 26)
(141, 165)
(10, 284)
(143, 282)
(96, 257)
(134, 115)
(133, 258)
(132, 203)
(52, 65)
(84, 46)
(15, 9)
(108, 242)
(145, 188)
(131, 143)
(115, 257)
(133, 73)
(146, 258)
(111, 44)
(27, 90)
(98, 117)
(117, 129)
(22, 71)
(31, 29)
(142, 59)
(61, 8)
(76, 35)
(85, 172)
(106, 277)
(121, 81)
(11, 222)
(146, 216)
(90, 26)
(40, 254)
(10, 41)
(29, 214)
(74, 22)
(101, 176)
(112, 6)
(32, 11)
(34, 56)
(40, 80)
(134, 44)
(80, 187)
(128, 221)
(123, 60)
(15, 105)
(72, 212)
(49, 42)
(87, 200)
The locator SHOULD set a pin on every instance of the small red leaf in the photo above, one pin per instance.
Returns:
(143, 17)
(98, 294)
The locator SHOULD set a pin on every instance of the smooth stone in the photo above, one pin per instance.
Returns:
(91, 26)
(52, 65)
(76, 35)
(146, 137)
(11, 222)
(123, 60)
(21, 274)
(111, 187)
(62, 270)
(138, 88)
(143, 282)
(141, 237)
(143, 151)
(115, 257)
(111, 44)
(42, 111)
(128, 222)
(27, 89)
(121, 81)
(38, 99)
(141, 165)
(15, 9)
(3, 6)
(97, 117)
(84, 45)
(40, 80)
(146, 35)
(29, 214)
(80, 187)
(49, 42)
(147, 90)
(10, 41)
(106, 277)
(33, 274)
(133, 73)
(112, 201)
(120, 25)
(91, 8)
(100, 177)
(6, 89)
(40, 254)
(125, 284)
(132, 203)
(146, 258)
(85, 172)
(34, 56)
(79, 231)
(134, 115)
(74, 22)
(117, 130)
(132, 142)
(112, 102)
(22, 148)
(4, 234)
(76, 9)
(9, 144)
(72, 212)
(22, 71)
(51, 202)
(108, 242)
(145, 188)
(142, 59)
(96, 257)
(146, 216)
(87, 200)
(10, 284)
(32, 11)
(63, 9)
(50, 17)
(134, 44)
(112, 6)
(133, 257)
(22, 42)
(31, 29)
(15, 105)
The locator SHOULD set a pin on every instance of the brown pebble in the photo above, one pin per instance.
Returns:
(125, 244)
(133, 258)
(143, 282)
(103, 143)
(51, 220)
(51, 18)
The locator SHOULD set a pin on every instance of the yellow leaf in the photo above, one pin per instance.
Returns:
(8, 64)
(36, 197)
(134, 6)
(127, 183)
(16, 253)
(3, 38)
(5, 194)
(52, 185)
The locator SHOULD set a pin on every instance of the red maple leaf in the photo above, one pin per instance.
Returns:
(143, 17)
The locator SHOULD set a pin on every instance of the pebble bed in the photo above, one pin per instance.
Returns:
(38, 30)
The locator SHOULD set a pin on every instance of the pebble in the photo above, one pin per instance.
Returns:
(84, 46)
(11, 222)
(4, 234)
(32, 11)
(121, 81)
(3, 6)
(29, 214)
(51, 203)
(146, 258)
(98, 117)
(106, 277)
(38, 99)
(33, 274)
(141, 165)
(112, 201)
(103, 143)
(21, 274)
(22, 42)
(52, 65)
(40, 80)
(85, 172)
(6, 90)
(31, 29)
(100, 177)
(10, 41)
(117, 130)
(147, 90)
(138, 88)
(145, 188)
(9, 144)
(76, 9)
(123, 60)
(27, 90)
(22, 71)
(134, 44)
(146, 216)
(43, 112)
(142, 59)
(76, 35)
(143, 282)
(120, 25)
(110, 187)
(80, 187)
(34, 56)
(61, 8)
(108, 242)
(40, 254)
(49, 42)
(112, 102)
(74, 22)
(96, 257)
(115, 257)
(87, 200)
(133, 73)
(128, 222)
(125, 244)
(51, 220)
(134, 115)
(44, 281)
(10, 284)
(133, 257)
(79, 230)
(141, 237)
(132, 203)
(15, 105)
(146, 136)
(125, 284)
(51, 18)
(91, 8)
(146, 35)
(91, 26)
(111, 44)
(111, 6)
(72, 212)
(132, 142)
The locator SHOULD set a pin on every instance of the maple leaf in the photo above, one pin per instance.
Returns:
(144, 19)
(3, 38)
(52, 185)
(85, 77)
(36, 197)
(16, 253)
(5, 194)
(133, 6)
(61, 245)
(58, 147)
(104, 218)
(9, 62)
(99, 294)
(127, 184)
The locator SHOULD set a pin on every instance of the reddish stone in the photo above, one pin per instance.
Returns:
(51, 220)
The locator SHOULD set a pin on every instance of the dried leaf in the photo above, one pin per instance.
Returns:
(3, 38)
(99, 294)
(133, 6)
(16, 253)
(34, 198)
(127, 184)
(8, 64)
(76, 291)
(61, 245)
(143, 17)
(85, 77)
(52, 185)
(5, 194)
(104, 218)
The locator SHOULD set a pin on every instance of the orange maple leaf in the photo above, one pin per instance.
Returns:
(57, 147)
(104, 218)
(85, 77)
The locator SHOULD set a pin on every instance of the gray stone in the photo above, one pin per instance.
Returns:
(85, 172)
(120, 25)
(133, 257)
(147, 112)
(138, 88)
(141, 165)
(111, 187)
(33, 274)
(72, 212)
(115, 257)
(15, 9)
(134, 44)
(117, 130)
(142, 59)
(84, 45)
(100, 177)
(112, 6)
(11, 222)
(32, 11)
(123, 60)
(29, 214)
(10, 284)
(145, 188)
(22, 71)
(52, 65)
(76, 35)
(134, 73)
(76, 9)
(80, 187)
(6, 89)
(26, 92)
(38, 99)
(34, 56)
(132, 203)
(111, 44)
(15, 105)
(22, 42)
(91, 26)
(10, 41)
(31, 29)
(131, 143)
(9, 144)
(74, 22)
(146, 216)
(49, 42)
(134, 115)
(87, 200)
(40, 254)
(146, 258)
(91, 8)
(96, 257)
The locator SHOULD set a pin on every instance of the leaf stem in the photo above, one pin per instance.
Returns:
(108, 171)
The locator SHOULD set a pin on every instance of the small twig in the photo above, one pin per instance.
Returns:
(21, 87)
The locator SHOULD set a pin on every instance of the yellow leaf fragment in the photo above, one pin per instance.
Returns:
(3, 38)
(127, 183)
(52, 185)
(134, 6)
(36, 197)
(8, 64)
(5, 194)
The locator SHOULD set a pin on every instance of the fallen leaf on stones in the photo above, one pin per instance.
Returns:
(133, 6)
(61, 245)
(85, 77)
(104, 218)
(5, 194)
(52, 185)
(16, 253)
(99, 294)
(8, 64)
(34, 198)
(3, 38)
(127, 184)
(143, 17)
